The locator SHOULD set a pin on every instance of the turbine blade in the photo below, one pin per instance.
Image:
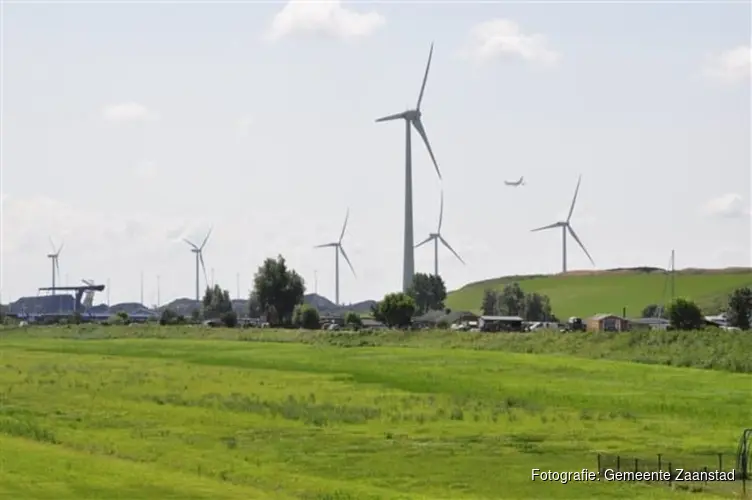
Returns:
(60, 249)
(52, 244)
(397, 116)
(341, 249)
(190, 243)
(344, 226)
(441, 211)
(57, 267)
(574, 235)
(550, 226)
(325, 245)
(450, 248)
(207, 238)
(577, 189)
(201, 258)
(418, 124)
(425, 78)
(424, 241)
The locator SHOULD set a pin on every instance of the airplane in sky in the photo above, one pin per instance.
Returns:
(515, 183)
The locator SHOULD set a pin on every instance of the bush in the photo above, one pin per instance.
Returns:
(353, 320)
(305, 316)
(168, 317)
(442, 324)
(685, 315)
(229, 319)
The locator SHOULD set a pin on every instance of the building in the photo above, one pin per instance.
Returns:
(607, 323)
(500, 323)
(432, 319)
(649, 324)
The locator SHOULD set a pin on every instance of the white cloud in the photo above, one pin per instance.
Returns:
(323, 18)
(243, 126)
(146, 170)
(731, 66)
(128, 111)
(503, 38)
(729, 205)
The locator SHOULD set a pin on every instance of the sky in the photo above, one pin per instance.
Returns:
(128, 127)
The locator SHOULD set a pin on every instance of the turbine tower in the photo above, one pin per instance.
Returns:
(198, 250)
(412, 117)
(54, 256)
(436, 237)
(566, 226)
(337, 249)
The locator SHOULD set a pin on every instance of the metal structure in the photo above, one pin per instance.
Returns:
(436, 237)
(79, 292)
(337, 245)
(199, 251)
(566, 226)
(55, 256)
(412, 117)
(744, 456)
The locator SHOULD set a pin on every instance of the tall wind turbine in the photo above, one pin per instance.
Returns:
(337, 249)
(436, 237)
(412, 117)
(55, 263)
(198, 250)
(566, 226)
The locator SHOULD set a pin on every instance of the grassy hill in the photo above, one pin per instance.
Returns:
(584, 293)
(93, 412)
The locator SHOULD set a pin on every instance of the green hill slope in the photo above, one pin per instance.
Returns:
(587, 293)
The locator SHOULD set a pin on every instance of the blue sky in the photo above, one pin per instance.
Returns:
(129, 127)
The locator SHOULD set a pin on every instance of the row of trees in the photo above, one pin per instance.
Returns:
(513, 301)
(685, 314)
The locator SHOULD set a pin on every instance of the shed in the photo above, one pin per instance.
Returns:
(500, 323)
(607, 323)
(649, 324)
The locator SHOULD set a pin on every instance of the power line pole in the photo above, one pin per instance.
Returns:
(142, 287)
(237, 285)
(673, 284)
(316, 282)
(158, 298)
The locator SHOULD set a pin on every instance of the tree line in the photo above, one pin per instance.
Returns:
(278, 292)
(685, 314)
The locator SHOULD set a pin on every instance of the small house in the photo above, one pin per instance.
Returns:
(607, 323)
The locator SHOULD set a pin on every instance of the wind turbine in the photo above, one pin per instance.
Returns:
(198, 250)
(566, 226)
(55, 263)
(436, 237)
(337, 249)
(412, 117)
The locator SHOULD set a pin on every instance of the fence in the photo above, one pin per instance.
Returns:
(718, 472)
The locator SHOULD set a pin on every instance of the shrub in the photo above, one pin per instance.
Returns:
(353, 320)
(229, 319)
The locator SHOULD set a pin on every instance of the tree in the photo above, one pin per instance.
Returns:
(306, 316)
(254, 306)
(740, 308)
(653, 311)
(353, 320)
(229, 318)
(512, 300)
(537, 307)
(396, 309)
(428, 291)
(168, 317)
(685, 315)
(276, 286)
(216, 302)
(490, 305)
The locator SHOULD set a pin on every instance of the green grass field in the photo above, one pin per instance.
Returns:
(170, 412)
(586, 294)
